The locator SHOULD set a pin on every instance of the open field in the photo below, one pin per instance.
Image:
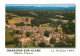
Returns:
(30, 17)
(47, 24)
(33, 13)
(13, 21)
(11, 45)
(8, 36)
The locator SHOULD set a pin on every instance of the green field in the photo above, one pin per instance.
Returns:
(8, 36)
(10, 45)
(47, 24)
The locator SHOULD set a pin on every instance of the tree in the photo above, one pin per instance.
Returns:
(27, 19)
(70, 42)
(56, 30)
(60, 44)
(69, 28)
(47, 33)
(52, 40)
(17, 32)
(28, 24)
(28, 34)
(67, 40)
(20, 24)
(20, 45)
(32, 25)
(73, 42)
(9, 42)
(16, 41)
(42, 44)
(6, 21)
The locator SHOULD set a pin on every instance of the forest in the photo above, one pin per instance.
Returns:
(43, 16)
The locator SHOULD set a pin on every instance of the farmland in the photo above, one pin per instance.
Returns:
(8, 36)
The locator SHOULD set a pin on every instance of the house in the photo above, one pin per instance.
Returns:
(47, 39)
(65, 21)
(57, 39)
(59, 16)
(17, 35)
(23, 40)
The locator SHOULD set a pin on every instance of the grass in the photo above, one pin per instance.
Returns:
(8, 36)
(30, 17)
(53, 19)
(10, 45)
(13, 21)
(33, 13)
(29, 46)
(47, 24)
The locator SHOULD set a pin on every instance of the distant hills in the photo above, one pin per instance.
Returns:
(39, 8)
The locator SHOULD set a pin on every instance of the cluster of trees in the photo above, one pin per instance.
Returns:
(52, 40)
(62, 43)
(19, 24)
(15, 32)
(9, 17)
(6, 21)
(69, 16)
(15, 41)
(43, 44)
(56, 30)
(55, 23)
(46, 33)
(66, 43)
(22, 24)
(28, 34)
(40, 20)
(69, 28)
(44, 15)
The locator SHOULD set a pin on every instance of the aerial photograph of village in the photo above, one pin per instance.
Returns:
(40, 26)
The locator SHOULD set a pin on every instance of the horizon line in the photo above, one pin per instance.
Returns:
(43, 5)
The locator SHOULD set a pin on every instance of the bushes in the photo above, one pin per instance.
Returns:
(9, 42)
(52, 40)
(20, 24)
(10, 17)
(56, 30)
(28, 24)
(65, 43)
(41, 44)
(28, 34)
(15, 32)
(60, 44)
(14, 42)
(69, 28)
(47, 33)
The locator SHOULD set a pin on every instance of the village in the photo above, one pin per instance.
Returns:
(37, 33)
